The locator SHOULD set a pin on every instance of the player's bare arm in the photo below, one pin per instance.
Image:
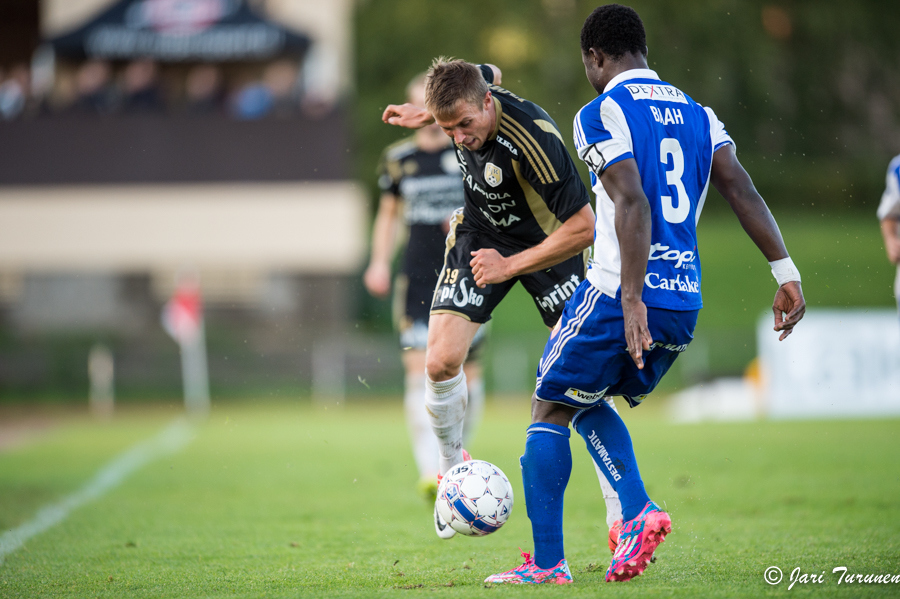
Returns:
(377, 277)
(891, 235)
(735, 185)
(407, 115)
(622, 181)
(411, 116)
(575, 234)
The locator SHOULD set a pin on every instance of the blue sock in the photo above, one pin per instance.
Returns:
(546, 467)
(610, 446)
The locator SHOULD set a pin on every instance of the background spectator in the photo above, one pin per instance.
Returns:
(14, 92)
(142, 93)
(280, 78)
(203, 89)
(94, 93)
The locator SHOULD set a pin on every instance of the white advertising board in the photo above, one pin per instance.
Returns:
(836, 364)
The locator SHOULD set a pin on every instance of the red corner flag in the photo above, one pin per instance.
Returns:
(182, 318)
(183, 314)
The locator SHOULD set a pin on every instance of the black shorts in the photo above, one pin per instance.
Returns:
(456, 292)
(412, 300)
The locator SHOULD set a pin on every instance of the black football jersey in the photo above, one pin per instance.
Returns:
(521, 184)
(428, 184)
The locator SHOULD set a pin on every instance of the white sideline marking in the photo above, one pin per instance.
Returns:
(170, 440)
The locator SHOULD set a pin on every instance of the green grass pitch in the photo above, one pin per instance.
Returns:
(300, 501)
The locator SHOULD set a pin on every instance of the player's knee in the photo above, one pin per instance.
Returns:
(441, 367)
(550, 413)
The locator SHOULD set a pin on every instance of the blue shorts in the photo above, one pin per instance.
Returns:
(586, 357)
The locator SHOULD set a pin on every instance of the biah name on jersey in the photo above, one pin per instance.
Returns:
(671, 116)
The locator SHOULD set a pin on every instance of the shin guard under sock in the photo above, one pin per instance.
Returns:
(445, 402)
(610, 446)
(546, 467)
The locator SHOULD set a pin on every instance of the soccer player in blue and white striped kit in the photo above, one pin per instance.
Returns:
(652, 152)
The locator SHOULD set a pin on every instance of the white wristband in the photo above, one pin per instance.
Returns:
(784, 271)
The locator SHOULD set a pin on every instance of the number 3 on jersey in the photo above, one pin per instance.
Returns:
(670, 147)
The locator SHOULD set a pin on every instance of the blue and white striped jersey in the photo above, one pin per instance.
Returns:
(672, 139)
(890, 199)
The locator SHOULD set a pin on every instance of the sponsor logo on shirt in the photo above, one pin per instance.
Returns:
(505, 142)
(492, 174)
(681, 259)
(502, 222)
(474, 186)
(496, 197)
(654, 281)
(660, 93)
(495, 208)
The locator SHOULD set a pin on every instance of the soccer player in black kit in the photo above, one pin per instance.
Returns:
(420, 188)
(527, 218)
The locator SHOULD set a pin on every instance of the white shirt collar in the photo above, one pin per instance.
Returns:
(630, 74)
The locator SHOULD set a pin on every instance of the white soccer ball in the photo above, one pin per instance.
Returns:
(475, 498)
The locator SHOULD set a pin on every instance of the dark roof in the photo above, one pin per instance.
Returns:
(189, 30)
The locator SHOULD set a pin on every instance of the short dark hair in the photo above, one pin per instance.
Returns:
(616, 30)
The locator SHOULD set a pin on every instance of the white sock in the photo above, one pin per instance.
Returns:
(613, 505)
(445, 402)
(424, 443)
(474, 409)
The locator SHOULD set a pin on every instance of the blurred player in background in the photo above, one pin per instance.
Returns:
(527, 217)
(889, 215)
(652, 153)
(421, 187)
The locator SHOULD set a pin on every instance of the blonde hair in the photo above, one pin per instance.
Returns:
(450, 81)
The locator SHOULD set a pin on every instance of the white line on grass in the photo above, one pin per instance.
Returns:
(170, 440)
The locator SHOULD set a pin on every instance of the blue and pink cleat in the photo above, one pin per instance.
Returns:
(638, 539)
(529, 573)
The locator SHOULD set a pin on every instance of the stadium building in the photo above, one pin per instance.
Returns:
(143, 138)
